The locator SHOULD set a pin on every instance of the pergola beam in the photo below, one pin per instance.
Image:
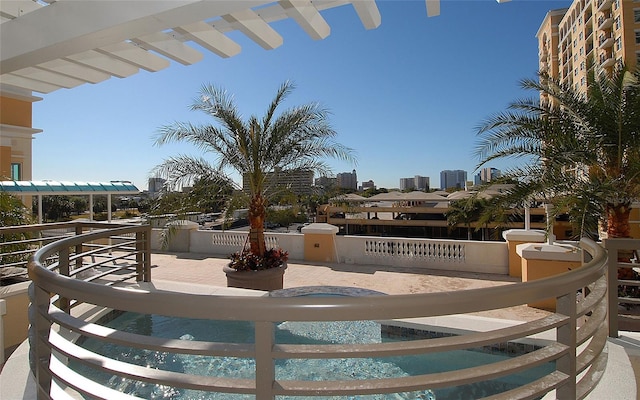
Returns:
(368, 13)
(252, 25)
(308, 17)
(64, 28)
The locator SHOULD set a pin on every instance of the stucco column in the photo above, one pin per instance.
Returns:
(319, 242)
(515, 237)
(545, 260)
(180, 235)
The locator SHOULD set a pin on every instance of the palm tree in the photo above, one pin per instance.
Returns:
(465, 211)
(582, 151)
(298, 139)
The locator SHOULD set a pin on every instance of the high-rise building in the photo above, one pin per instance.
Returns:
(453, 179)
(325, 182)
(296, 181)
(368, 185)
(407, 183)
(156, 186)
(605, 32)
(417, 182)
(347, 180)
(487, 175)
(421, 182)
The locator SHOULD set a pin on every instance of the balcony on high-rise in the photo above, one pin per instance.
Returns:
(604, 5)
(605, 22)
(605, 41)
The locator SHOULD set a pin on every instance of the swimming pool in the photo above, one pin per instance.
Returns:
(343, 332)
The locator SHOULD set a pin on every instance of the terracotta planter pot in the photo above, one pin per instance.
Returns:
(266, 279)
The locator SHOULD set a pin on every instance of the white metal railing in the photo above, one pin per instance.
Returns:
(622, 291)
(579, 324)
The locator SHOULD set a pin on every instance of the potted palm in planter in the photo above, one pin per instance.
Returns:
(260, 150)
(250, 271)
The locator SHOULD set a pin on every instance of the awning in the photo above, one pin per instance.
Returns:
(25, 188)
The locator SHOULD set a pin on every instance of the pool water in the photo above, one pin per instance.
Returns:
(291, 333)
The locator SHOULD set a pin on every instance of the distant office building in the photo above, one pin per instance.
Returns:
(347, 180)
(453, 179)
(297, 181)
(421, 182)
(325, 182)
(367, 185)
(407, 183)
(487, 175)
(156, 186)
(417, 183)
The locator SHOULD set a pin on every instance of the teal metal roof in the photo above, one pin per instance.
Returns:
(69, 188)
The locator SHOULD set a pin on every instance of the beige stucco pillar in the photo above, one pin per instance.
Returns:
(545, 260)
(180, 235)
(15, 320)
(319, 242)
(516, 237)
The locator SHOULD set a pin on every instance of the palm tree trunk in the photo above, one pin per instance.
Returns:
(618, 220)
(256, 224)
(618, 227)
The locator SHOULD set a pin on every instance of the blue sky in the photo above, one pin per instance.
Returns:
(407, 97)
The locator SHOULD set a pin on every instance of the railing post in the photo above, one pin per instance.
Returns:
(78, 248)
(147, 253)
(140, 270)
(566, 334)
(612, 286)
(3, 311)
(63, 269)
(42, 356)
(265, 365)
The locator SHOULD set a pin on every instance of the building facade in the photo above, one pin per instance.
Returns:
(298, 182)
(487, 175)
(16, 135)
(453, 179)
(347, 180)
(368, 185)
(156, 186)
(605, 32)
(407, 183)
(417, 183)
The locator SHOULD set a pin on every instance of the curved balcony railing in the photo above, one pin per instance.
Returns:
(576, 350)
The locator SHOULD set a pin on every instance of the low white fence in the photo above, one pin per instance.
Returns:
(452, 255)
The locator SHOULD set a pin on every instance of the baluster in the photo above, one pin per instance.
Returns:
(566, 334)
(265, 364)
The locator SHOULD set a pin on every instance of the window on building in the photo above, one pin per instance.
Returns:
(636, 15)
(617, 22)
(619, 43)
(16, 171)
(638, 36)
(582, 81)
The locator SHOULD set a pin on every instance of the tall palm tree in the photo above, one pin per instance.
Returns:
(298, 139)
(581, 152)
(465, 212)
